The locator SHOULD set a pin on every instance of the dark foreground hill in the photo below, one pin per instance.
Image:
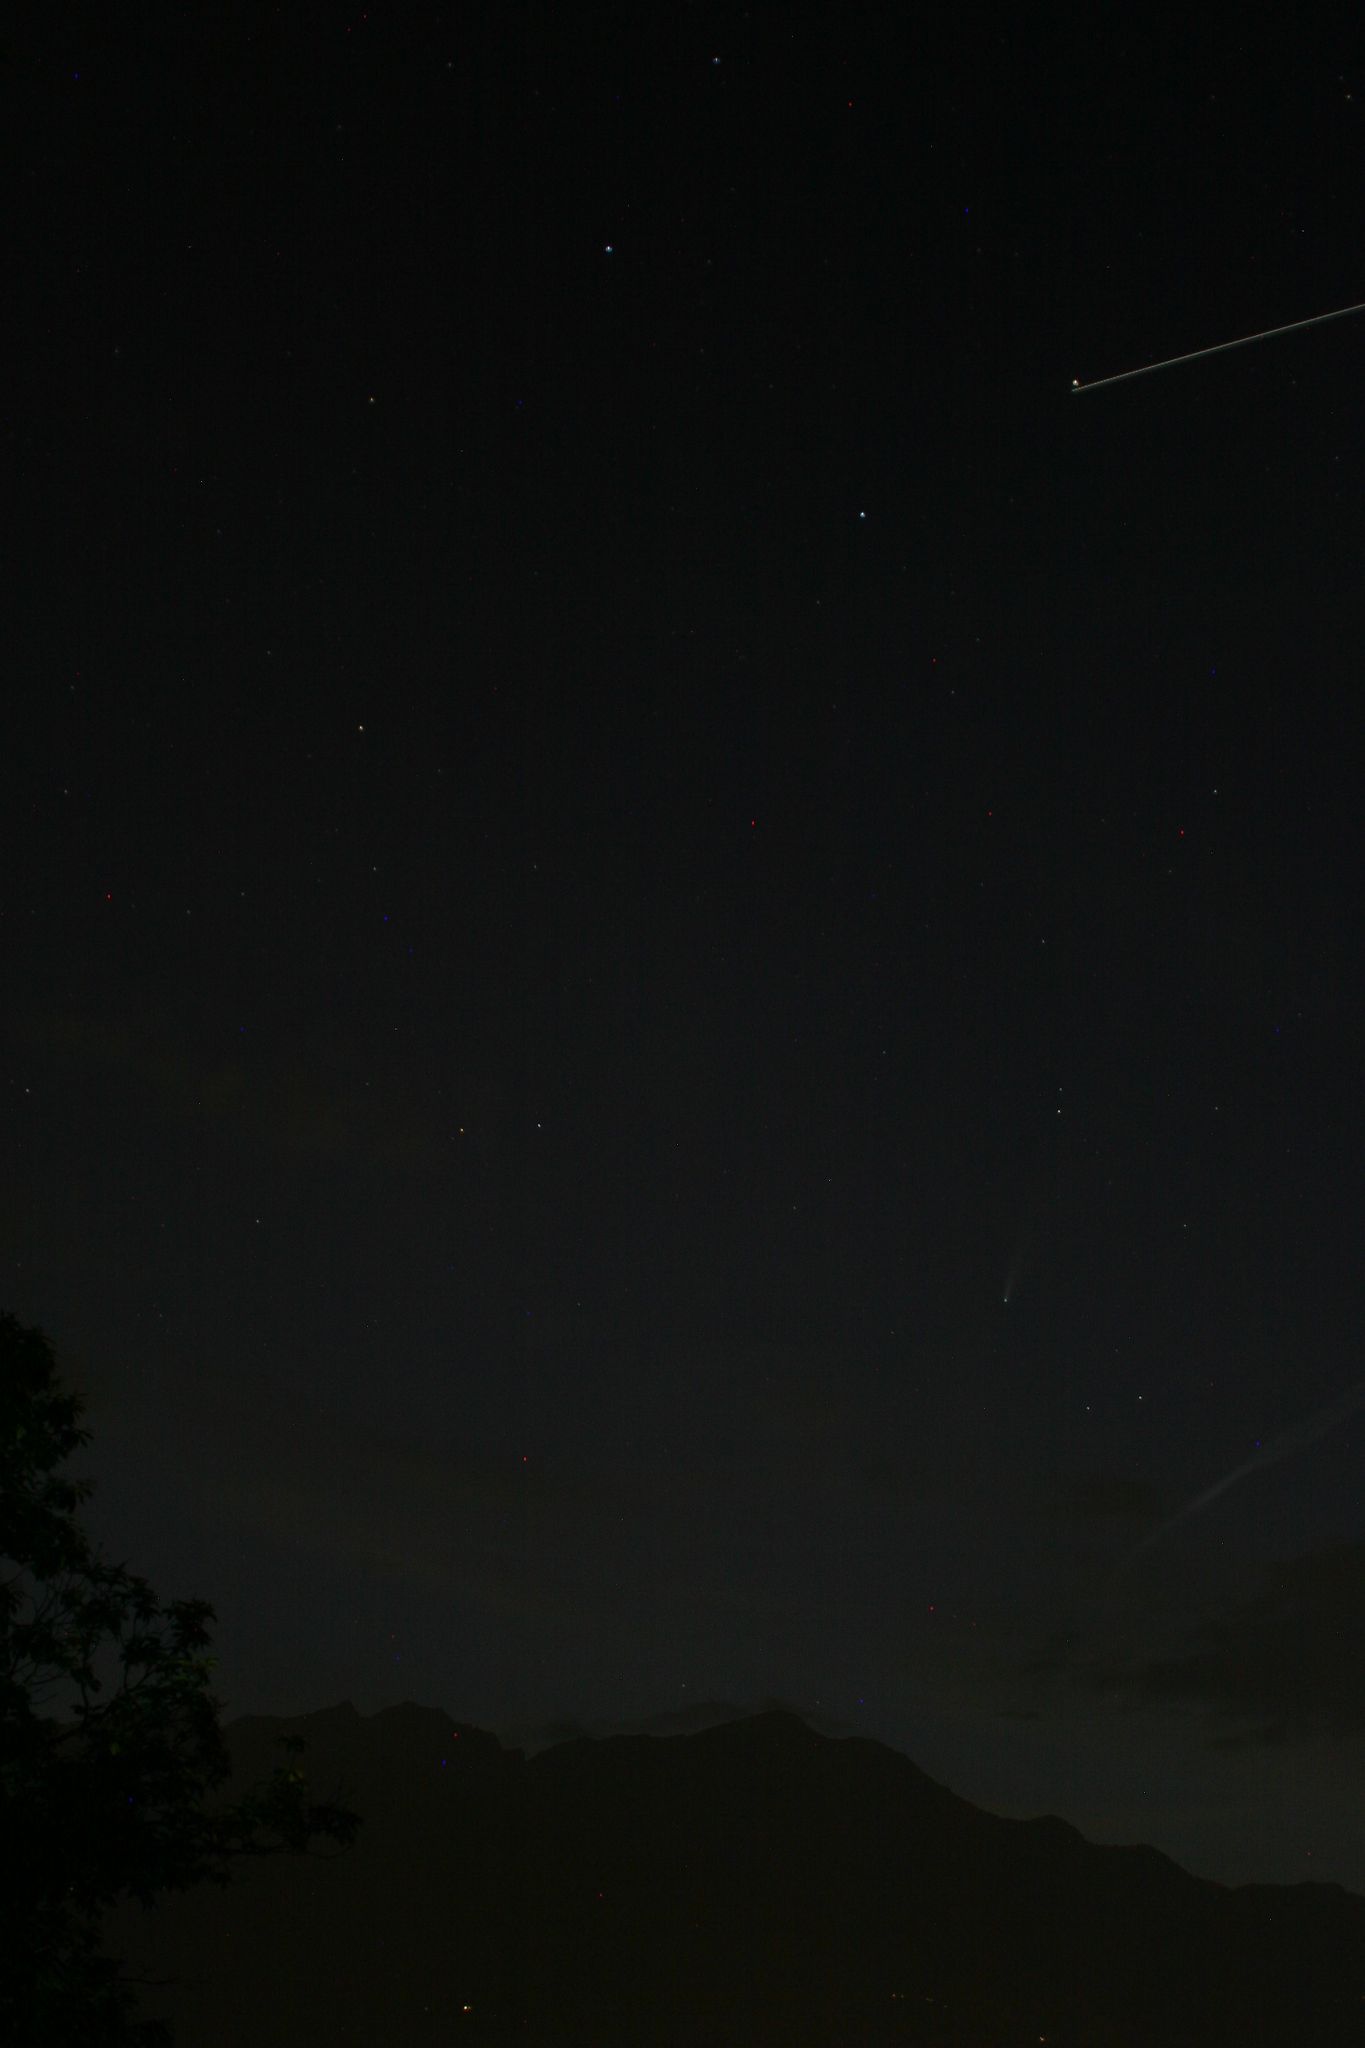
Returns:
(755, 1883)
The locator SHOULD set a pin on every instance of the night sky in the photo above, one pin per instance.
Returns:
(682, 949)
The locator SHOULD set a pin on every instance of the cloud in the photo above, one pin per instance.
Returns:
(1100, 1497)
(1288, 1659)
(313, 1106)
(512, 1539)
(558, 1541)
(693, 1719)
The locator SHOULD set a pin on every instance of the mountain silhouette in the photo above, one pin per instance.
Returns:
(754, 1882)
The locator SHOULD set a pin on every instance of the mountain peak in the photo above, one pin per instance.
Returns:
(753, 1880)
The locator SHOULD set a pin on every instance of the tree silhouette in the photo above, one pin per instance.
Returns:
(111, 1748)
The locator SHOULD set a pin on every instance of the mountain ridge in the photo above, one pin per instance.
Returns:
(753, 1881)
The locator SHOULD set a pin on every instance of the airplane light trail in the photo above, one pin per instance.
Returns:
(1266, 334)
(1304, 1433)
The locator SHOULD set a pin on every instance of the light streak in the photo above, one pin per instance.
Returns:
(1296, 1439)
(1243, 341)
